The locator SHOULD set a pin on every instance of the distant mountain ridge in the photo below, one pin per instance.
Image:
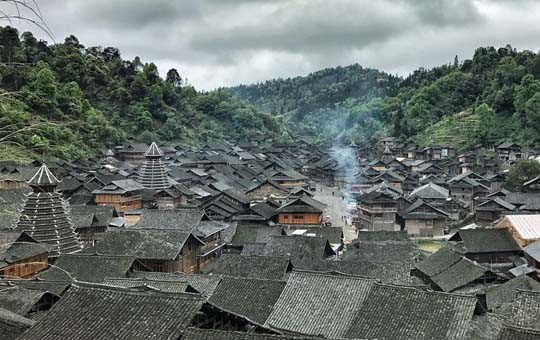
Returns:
(499, 87)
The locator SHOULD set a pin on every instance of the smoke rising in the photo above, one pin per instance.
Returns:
(346, 157)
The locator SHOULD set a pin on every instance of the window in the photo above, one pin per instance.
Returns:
(285, 217)
(298, 217)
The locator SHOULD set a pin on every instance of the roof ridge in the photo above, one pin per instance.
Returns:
(428, 290)
(91, 286)
(329, 274)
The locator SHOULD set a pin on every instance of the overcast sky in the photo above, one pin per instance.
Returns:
(226, 42)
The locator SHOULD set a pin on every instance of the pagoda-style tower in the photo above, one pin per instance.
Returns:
(45, 217)
(153, 174)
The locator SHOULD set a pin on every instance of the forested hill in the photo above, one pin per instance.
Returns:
(492, 97)
(70, 101)
(318, 90)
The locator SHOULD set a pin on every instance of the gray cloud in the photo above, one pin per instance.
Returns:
(225, 42)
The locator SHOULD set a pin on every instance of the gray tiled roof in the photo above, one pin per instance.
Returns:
(143, 243)
(458, 275)
(253, 249)
(99, 313)
(12, 325)
(383, 236)
(251, 298)
(261, 267)
(254, 234)
(526, 310)
(179, 219)
(484, 327)
(20, 300)
(301, 250)
(319, 304)
(137, 283)
(88, 268)
(387, 272)
(213, 334)
(498, 295)
(382, 251)
(54, 287)
(486, 240)
(440, 261)
(516, 333)
(397, 313)
(205, 284)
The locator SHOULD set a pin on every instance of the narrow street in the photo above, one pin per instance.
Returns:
(335, 209)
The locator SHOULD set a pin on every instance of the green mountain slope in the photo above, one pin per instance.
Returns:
(500, 87)
(69, 101)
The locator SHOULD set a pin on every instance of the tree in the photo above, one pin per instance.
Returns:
(487, 125)
(173, 77)
(41, 94)
(70, 99)
(522, 172)
(9, 41)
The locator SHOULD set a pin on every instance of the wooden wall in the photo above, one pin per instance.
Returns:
(25, 268)
(119, 202)
(299, 218)
(425, 227)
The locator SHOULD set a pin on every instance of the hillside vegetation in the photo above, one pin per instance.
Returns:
(500, 88)
(71, 101)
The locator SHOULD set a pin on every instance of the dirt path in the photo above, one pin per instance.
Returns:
(335, 209)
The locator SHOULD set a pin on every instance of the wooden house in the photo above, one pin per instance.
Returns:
(467, 187)
(439, 152)
(424, 220)
(123, 195)
(429, 168)
(378, 210)
(389, 142)
(158, 250)
(509, 151)
(92, 221)
(193, 221)
(133, 153)
(226, 204)
(21, 256)
(12, 181)
(289, 178)
(467, 157)
(257, 214)
(390, 177)
(301, 211)
(449, 271)
(174, 197)
(486, 245)
(267, 189)
(496, 181)
(492, 209)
